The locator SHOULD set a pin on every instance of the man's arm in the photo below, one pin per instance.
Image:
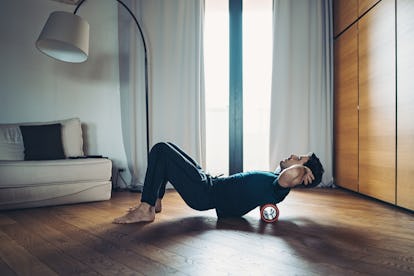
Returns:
(295, 175)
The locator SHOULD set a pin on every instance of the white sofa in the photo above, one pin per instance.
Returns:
(35, 183)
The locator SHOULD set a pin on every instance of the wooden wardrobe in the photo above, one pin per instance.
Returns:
(374, 98)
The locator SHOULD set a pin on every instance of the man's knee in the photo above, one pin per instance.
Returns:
(160, 146)
(162, 149)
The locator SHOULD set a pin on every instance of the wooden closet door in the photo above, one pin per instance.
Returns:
(377, 125)
(346, 109)
(345, 12)
(405, 103)
(365, 5)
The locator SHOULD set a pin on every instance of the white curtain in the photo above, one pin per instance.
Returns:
(301, 102)
(173, 31)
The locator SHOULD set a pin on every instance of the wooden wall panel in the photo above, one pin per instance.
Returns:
(345, 12)
(377, 125)
(346, 109)
(365, 5)
(405, 103)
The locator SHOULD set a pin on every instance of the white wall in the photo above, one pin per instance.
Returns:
(34, 87)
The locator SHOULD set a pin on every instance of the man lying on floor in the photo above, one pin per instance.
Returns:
(231, 196)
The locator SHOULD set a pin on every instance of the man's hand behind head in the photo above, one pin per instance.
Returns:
(295, 175)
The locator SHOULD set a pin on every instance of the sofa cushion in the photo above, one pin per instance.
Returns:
(42, 142)
(19, 174)
(11, 141)
(25, 184)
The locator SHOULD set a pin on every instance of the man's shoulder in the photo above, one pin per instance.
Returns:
(260, 175)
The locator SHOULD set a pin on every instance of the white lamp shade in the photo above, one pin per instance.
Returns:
(65, 37)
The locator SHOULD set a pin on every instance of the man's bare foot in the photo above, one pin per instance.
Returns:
(158, 207)
(142, 213)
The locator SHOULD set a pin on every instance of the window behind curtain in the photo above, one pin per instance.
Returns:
(257, 66)
(216, 66)
(257, 81)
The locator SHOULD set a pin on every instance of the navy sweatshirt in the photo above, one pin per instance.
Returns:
(240, 193)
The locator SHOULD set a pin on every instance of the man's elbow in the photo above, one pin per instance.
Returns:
(292, 176)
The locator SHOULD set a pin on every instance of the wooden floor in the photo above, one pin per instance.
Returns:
(319, 232)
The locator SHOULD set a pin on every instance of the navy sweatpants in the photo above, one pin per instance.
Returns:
(167, 162)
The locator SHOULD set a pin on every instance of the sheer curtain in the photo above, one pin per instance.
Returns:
(174, 32)
(301, 101)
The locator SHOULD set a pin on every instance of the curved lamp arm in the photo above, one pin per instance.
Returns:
(65, 37)
(129, 11)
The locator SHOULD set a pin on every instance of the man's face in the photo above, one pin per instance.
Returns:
(293, 160)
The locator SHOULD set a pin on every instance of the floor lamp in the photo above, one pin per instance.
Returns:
(65, 37)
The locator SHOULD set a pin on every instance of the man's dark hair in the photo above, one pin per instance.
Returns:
(317, 169)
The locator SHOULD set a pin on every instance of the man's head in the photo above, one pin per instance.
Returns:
(310, 161)
(316, 167)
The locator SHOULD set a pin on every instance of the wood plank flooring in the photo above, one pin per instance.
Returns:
(319, 232)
